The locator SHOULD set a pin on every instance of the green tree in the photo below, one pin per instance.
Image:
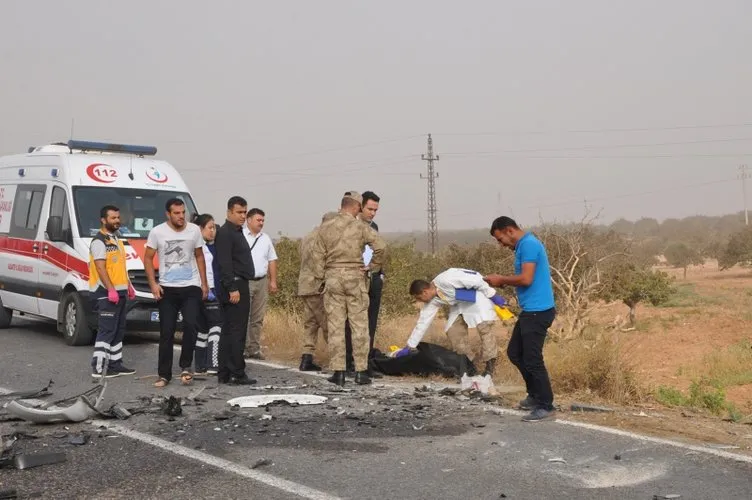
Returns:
(632, 284)
(738, 250)
(680, 255)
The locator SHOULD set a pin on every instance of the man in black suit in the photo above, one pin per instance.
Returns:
(367, 213)
(236, 269)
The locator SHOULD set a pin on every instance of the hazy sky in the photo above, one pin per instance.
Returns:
(533, 106)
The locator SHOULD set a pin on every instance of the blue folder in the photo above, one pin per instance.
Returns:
(465, 294)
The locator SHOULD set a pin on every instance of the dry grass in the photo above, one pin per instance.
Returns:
(597, 367)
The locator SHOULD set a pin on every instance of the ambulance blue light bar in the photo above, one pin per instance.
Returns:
(112, 148)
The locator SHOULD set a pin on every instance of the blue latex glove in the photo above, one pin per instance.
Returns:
(211, 297)
(498, 300)
(402, 352)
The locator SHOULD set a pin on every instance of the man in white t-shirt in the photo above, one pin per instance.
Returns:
(182, 285)
(264, 281)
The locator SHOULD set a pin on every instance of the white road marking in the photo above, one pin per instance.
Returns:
(220, 463)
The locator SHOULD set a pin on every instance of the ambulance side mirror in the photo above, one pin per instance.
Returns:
(54, 228)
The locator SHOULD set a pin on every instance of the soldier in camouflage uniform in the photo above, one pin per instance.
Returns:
(309, 289)
(338, 260)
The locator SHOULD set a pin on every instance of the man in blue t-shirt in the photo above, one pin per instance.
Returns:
(532, 279)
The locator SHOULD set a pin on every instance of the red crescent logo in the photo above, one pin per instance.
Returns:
(101, 172)
(155, 175)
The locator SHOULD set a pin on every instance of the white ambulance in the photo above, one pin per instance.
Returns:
(50, 199)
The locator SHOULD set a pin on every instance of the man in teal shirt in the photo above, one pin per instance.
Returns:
(532, 280)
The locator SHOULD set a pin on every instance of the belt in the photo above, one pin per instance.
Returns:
(257, 279)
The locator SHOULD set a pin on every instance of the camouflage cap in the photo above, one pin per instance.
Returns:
(354, 195)
(329, 216)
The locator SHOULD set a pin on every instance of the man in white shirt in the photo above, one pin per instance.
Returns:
(471, 301)
(181, 288)
(265, 280)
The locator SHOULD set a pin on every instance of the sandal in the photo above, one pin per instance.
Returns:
(161, 382)
(186, 377)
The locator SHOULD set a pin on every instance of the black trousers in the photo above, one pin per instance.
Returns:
(234, 331)
(525, 351)
(186, 301)
(374, 304)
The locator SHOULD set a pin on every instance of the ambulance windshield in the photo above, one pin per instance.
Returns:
(140, 209)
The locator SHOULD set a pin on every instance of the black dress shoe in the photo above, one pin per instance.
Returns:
(338, 378)
(362, 378)
(244, 380)
(307, 364)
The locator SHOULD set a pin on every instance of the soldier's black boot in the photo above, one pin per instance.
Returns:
(490, 367)
(307, 364)
(350, 369)
(338, 378)
(362, 378)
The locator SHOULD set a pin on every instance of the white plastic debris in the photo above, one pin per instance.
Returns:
(266, 399)
(477, 383)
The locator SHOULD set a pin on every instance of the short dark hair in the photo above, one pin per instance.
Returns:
(107, 208)
(501, 223)
(236, 200)
(418, 286)
(173, 202)
(370, 195)
(256, 211)
(202, 220)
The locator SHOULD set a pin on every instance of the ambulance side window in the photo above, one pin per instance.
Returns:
(59, 208)
(27, 208)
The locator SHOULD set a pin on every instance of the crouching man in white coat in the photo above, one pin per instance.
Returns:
(471, 302)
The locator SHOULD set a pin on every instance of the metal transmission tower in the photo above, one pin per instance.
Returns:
(743, 175)
(431, 176)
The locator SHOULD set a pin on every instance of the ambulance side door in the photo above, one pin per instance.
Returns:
(23, 248)
(57, 257)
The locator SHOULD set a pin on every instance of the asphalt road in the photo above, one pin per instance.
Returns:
(387, 441)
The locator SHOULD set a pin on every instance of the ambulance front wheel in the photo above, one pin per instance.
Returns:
(75, 324)
(5, 316)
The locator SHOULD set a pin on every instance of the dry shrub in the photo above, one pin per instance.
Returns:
(598, 366)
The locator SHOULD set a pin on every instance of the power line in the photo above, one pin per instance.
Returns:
(577, 201)
(600, 130)
(321, 151)
(599, 147)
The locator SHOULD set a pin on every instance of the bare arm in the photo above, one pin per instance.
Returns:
(273, 276)
(156, 290)
(201, 263)
(102, 272)
(525, 278)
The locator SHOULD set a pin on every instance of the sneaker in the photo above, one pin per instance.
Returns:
(110, 374)
(120, 369)
(527, 404)
(212, 371)
(538, 415)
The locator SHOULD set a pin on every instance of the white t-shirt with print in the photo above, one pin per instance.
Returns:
(176, 251)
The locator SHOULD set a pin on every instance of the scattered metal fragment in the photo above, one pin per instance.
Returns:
(557, 460)
(266, 399)
(617, 457)
(121, 413)
(669, 496)
(418, 428)
(74, 409)
(171, 407)
(261, 462)
(78, 439)
(40, 393)
(29, 461)
(590, 408)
